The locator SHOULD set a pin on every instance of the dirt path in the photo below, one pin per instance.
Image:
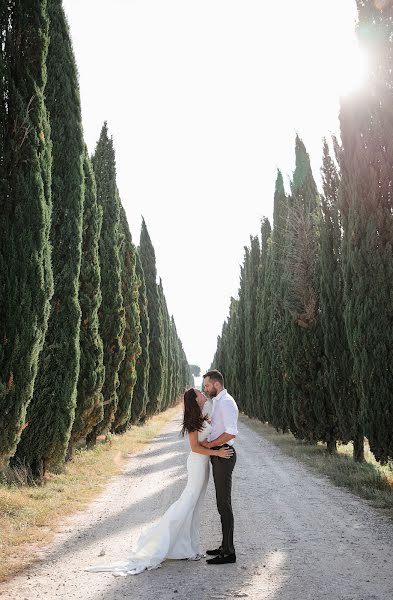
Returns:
(297, 536)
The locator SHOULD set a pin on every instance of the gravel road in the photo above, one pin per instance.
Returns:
(297, 537)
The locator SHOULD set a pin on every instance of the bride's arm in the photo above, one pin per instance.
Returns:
(199, 449)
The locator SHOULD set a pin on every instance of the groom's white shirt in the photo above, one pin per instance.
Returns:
(224, 416)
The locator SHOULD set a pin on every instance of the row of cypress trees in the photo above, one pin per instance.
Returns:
(308, 342)
(87, 344)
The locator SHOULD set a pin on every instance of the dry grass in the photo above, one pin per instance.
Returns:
(369, 480)
(29, 516)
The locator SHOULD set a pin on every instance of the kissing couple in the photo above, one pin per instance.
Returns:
(211, 426)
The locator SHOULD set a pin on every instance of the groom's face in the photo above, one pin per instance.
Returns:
(210, 387)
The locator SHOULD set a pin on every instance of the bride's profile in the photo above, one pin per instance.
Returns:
(176, 534)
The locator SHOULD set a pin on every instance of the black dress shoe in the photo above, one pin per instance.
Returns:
(214, 552)
(222, 560)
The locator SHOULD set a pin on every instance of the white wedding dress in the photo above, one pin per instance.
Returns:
(176, 534)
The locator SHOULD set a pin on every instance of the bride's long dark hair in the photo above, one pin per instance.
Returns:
(193, 418)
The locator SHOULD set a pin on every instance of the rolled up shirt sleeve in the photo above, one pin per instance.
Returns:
(230, 414)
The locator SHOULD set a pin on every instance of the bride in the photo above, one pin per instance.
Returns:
(176, 535)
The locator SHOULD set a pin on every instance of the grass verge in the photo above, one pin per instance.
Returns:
(369, 480)
(29, 516)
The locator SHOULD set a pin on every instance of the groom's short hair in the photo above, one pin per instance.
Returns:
(215, 375)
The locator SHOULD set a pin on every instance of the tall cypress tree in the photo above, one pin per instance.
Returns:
(240, 338)
(156, 350)
(251, 273)
(111, 312)
(170, 398)
(51, 412)
(169, 358)
(231, 348)
(278, 309)
(165, 348)
(304, 346)
(127, 371)
(89, 406)
(26, 283)
(176, 364)
(365, 201)
(220, 359)
(337, 360)
(185, 371)
(140, 396)
(264, 346)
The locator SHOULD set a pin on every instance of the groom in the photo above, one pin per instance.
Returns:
(223, 433)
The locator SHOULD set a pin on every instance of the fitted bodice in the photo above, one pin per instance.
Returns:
(203, 434)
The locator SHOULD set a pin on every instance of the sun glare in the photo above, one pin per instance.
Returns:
(353, 68)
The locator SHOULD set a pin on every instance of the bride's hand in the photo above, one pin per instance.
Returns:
(225, 452)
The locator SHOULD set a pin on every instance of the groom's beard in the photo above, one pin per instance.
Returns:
(213, 394)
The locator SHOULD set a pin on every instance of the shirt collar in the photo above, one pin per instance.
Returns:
(220, 395)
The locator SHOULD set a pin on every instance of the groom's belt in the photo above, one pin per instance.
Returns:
(223, 446)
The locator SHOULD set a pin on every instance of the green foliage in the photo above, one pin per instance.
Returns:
(140, 396)
(111, 312)
(50, 414)
(156, 346)
(89, 406)
(26, 283)
(307, 403)
(337, 361)
(264, 346)
(195, 370)
(168, 364)
(251, 274)
(130, 341)
(366, 163)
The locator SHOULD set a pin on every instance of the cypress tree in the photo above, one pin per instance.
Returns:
(156, 350)
(221, 357)
(165, 346)
(240, 374)
(168, 398)
(127, 371)
(304, 348)
(365, 202)
(89, 406)
(251, 273)
(51, 412)
(337, 360)
(140, 396)
(185, 371)
(231, 348)
(278, 312)
(26, 283)
(111, 312)
(264, 346)
(176, 362)
(183, 377)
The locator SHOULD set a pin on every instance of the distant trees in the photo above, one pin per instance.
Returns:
(75, 335)
(51, 411)
(140, 395)
(130, 292)
(89, 406)
(111, 312)
(307, 342)
(156, 346)
(195, 370)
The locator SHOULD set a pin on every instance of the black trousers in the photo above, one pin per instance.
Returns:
(222, 475)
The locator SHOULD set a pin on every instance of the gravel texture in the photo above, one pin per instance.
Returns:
(297, 536)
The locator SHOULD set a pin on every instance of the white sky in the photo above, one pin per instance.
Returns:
(203, 99)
